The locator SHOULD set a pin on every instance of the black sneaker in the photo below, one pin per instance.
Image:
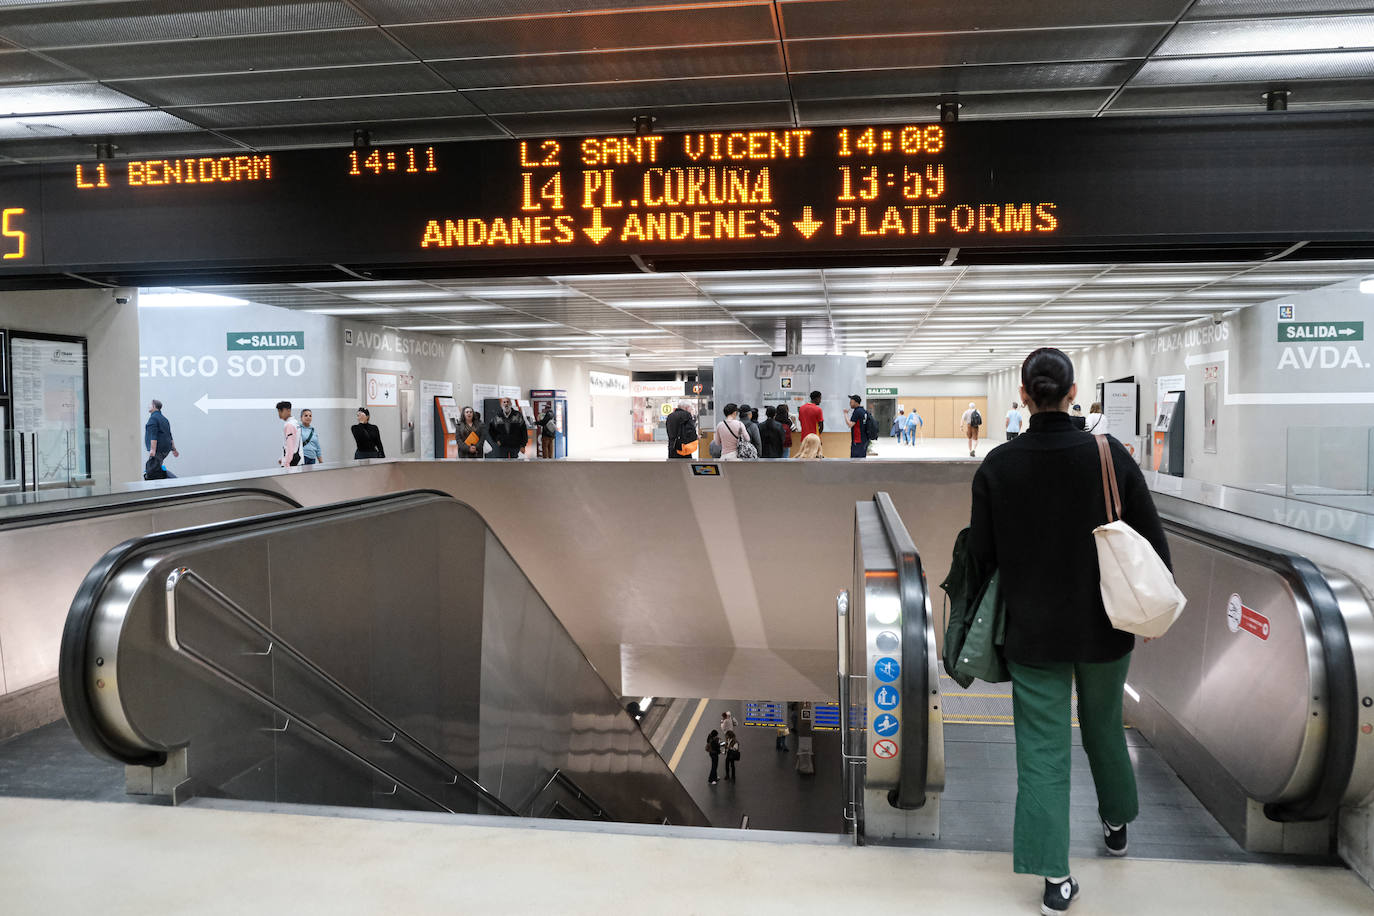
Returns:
(1115, 838)
(1058, 896)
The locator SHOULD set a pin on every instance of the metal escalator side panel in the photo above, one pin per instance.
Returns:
(935, 724)
(1256, 676)
(1357, 608)
(1342, 703)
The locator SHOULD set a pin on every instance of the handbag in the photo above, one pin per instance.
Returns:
(1138, 590)
(744, 447)
(714, 448)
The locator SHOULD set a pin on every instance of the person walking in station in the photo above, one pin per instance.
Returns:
(291, 436)
(859, 431)
(810, 448)
(1093, 424)
(772, 434)
(972, 421)
(728, 722)
(367, 438)
(1013, 423)
(681, 428)
(470, 434)
(811, 416)
(913, 423)
(730, 432)
(1036, 501)
(783, 416)
(731, 755)
(713, 751)
(157, 439)
(310, 439)
(508, 432)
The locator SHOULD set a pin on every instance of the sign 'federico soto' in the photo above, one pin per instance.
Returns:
(791, 192)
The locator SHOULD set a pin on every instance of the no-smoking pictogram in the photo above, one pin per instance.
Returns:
(885, 749)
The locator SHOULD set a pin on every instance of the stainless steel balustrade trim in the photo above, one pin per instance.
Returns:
(57, 513)
(571, 785)
(185, 574)
(849, 763)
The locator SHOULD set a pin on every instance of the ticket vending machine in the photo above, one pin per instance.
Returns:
(1169, 435)
(556, 401)
(446, 418)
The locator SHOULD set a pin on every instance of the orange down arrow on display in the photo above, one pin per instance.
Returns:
(808, 224)
(597, 232)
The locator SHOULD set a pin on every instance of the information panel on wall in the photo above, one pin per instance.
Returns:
(792, 191)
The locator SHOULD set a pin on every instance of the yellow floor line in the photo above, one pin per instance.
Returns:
(687, 737)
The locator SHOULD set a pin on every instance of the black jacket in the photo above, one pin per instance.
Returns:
(681, 427)
(508, 432)
(772, 433)
(1036, 501)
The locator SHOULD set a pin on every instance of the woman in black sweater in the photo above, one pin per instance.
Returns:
(1036, 501)
(367, 437)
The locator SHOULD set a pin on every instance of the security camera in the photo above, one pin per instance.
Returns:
(1216, 319)
(122, 300)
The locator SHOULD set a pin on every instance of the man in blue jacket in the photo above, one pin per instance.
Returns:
(157, 439)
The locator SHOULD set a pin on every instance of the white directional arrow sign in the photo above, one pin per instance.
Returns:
(207, 403)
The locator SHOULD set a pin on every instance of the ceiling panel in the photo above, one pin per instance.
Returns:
(648, 95)
(824, 18)
(862, 84)
(926, 108)
(1221, 9)
(760, 114)
(383, 133)
(1258, 36)
(103, 23)
(234, 55)
(397, 11)
(111, 123)
(1344, 95)
(335, 82)
(950, 50)
(19, 67)
(1261, 69)
(631, 29)
(351, 112)
(140, 144)
(605, 66)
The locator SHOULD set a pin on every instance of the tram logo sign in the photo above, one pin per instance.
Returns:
(765, 371)
(266, 340)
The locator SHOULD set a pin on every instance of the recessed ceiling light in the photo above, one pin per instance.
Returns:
(515, 325)
(432, 327)
(446, 309)
(393, 295)
(183, 299)
(696, 322)
(526, 292)
(347, 310)
(743, 314)
(741, 301)
(659, 303)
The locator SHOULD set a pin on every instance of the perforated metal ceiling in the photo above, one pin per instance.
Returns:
(166, 76)
(918, 320)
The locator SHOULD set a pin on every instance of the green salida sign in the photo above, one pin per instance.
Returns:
(1332, 331)
(266, 340)
(881, 392)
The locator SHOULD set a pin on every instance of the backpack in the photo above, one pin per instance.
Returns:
(870, 426)
(976, 419)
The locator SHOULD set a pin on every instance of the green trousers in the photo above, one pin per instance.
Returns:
(1041, 706)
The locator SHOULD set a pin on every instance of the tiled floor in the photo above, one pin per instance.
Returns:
(49, 762)
(82, 857)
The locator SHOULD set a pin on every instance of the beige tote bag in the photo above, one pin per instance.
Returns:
(1138, 590)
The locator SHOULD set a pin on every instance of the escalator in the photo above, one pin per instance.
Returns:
(47, 547)
(1259, 697)
(378, 653)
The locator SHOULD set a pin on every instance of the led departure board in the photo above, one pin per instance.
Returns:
(799, 193)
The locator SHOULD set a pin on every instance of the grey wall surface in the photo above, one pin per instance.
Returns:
(111, 332)
(220, 401)
(934, 386)
(1266, 387)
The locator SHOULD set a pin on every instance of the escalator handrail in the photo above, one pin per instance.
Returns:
(1342, 685)
(277, 642)
(69, 513)
(76, 633)
(911, 787)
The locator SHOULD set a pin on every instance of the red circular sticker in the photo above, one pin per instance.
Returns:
(885, 749)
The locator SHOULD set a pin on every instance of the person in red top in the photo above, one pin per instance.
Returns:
(811, 417)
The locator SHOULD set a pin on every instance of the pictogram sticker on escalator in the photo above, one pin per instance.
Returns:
(885, 749)
(1239, 617)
